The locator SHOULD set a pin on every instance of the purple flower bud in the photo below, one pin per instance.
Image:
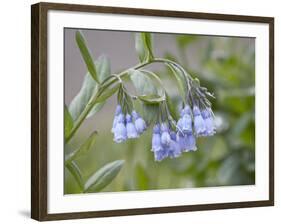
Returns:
(187, 142)
(160, 155)
(187, 124)
(187, 110)
(199, 124)
(165, 136)
(156, 129)
(139, 122)
(209, 122)
(130, 127)
(156, 142)
(182, 112)
(173, 135)
(118, 111)
(174, 149)
(120, 132)
(190, 142)
(184, 124)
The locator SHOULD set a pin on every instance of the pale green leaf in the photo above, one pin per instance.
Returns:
(142, 83)
(156, 81)
(140, 48)
(96, 108)
(150, 112)
(178, 74)
(89, 87)
(152, 98)
(108, 93)
(76, 173)
(103, 67)
(143, 45)
(86, 54)
(103, 176)
(103, 71)
(71, 186)
(83, 149)
(147, 39)
(144, 86)
(172, 106)
(80, 101)
(68, 122)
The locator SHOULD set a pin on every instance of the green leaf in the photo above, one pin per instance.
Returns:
(96, 108)
(76, 173)
(140, 48)
(83, 149)
(152, 98)
(180, 80)
(147, 39)
(108, 93)
(150, 112)
(86, 54)
(68, 122)
(71, 186)
(142, 83)
(144, 86)
(156, 81)
(78, 104)
(103, 67)
(89, 87)
(143, 44)
(104, 71)
(172, 106)
(103, 176)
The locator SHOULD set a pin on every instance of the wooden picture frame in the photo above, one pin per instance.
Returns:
(39, 109)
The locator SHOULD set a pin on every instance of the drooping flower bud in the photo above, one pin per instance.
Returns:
(130, 127)
(120, 132)
(209, 122)
(199, 123)
(139, 122)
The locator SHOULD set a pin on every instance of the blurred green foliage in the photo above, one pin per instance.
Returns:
(226, 66)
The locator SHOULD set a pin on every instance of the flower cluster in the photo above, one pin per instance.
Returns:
(167, 143)
(171, 135)
(164, 142)
(127, 126)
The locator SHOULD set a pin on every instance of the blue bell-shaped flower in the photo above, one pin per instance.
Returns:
(130, 127)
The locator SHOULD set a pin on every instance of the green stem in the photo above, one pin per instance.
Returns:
(187, 76)
(164, 60)
(92, 102)
(82, 117)
(107, 82)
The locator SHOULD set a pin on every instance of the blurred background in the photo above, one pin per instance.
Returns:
(225, 65)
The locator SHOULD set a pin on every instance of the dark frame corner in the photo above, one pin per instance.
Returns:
(39, 110)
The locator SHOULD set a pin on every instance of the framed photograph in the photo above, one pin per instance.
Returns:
(139, 111)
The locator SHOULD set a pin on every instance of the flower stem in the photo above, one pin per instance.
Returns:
(108, 82)
(92, 102)
(82, 117)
